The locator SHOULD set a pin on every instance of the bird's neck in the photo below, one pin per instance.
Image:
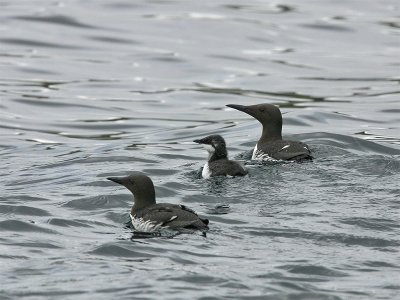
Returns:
(271, 134)
(218, 154)
(141, 203)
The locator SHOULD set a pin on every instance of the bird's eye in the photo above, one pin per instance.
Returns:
(262, 109)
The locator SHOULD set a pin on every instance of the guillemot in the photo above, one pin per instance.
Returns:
(218, 163)
(271, 146)
(149, 216)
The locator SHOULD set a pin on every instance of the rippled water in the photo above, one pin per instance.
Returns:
(91, 89)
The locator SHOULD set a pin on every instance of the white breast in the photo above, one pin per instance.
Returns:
(206, 172)
(253, 157)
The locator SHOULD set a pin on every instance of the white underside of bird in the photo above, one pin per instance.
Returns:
(206, 173)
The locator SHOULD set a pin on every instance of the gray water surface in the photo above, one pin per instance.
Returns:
(91, 89)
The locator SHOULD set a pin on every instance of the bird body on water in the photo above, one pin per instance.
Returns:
(271, 146)
(218, 163)
(149, 216)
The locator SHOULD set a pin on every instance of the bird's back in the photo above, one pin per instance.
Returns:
(283, 150)
(172, 215)
(226, 167)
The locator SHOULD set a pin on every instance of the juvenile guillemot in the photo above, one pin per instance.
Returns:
(218, 163)
(271, 146)
(147, 216)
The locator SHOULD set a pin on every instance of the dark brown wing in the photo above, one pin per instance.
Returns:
(286, 150)
(172, 215)
(226, 167)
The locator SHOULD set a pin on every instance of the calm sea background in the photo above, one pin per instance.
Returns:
(90, 89)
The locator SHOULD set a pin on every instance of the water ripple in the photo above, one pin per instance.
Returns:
(35, 43)
(55, 19)
(95, 89)
(20, 226)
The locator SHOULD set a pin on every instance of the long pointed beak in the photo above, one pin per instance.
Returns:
(242, 108)
(198, 141)
(116, 179)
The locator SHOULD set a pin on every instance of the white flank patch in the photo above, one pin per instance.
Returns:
(284, 147)
(145, 226)
(172, 218)
(206, 172)
(261, 156)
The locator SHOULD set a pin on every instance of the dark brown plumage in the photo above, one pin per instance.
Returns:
(271, 145)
